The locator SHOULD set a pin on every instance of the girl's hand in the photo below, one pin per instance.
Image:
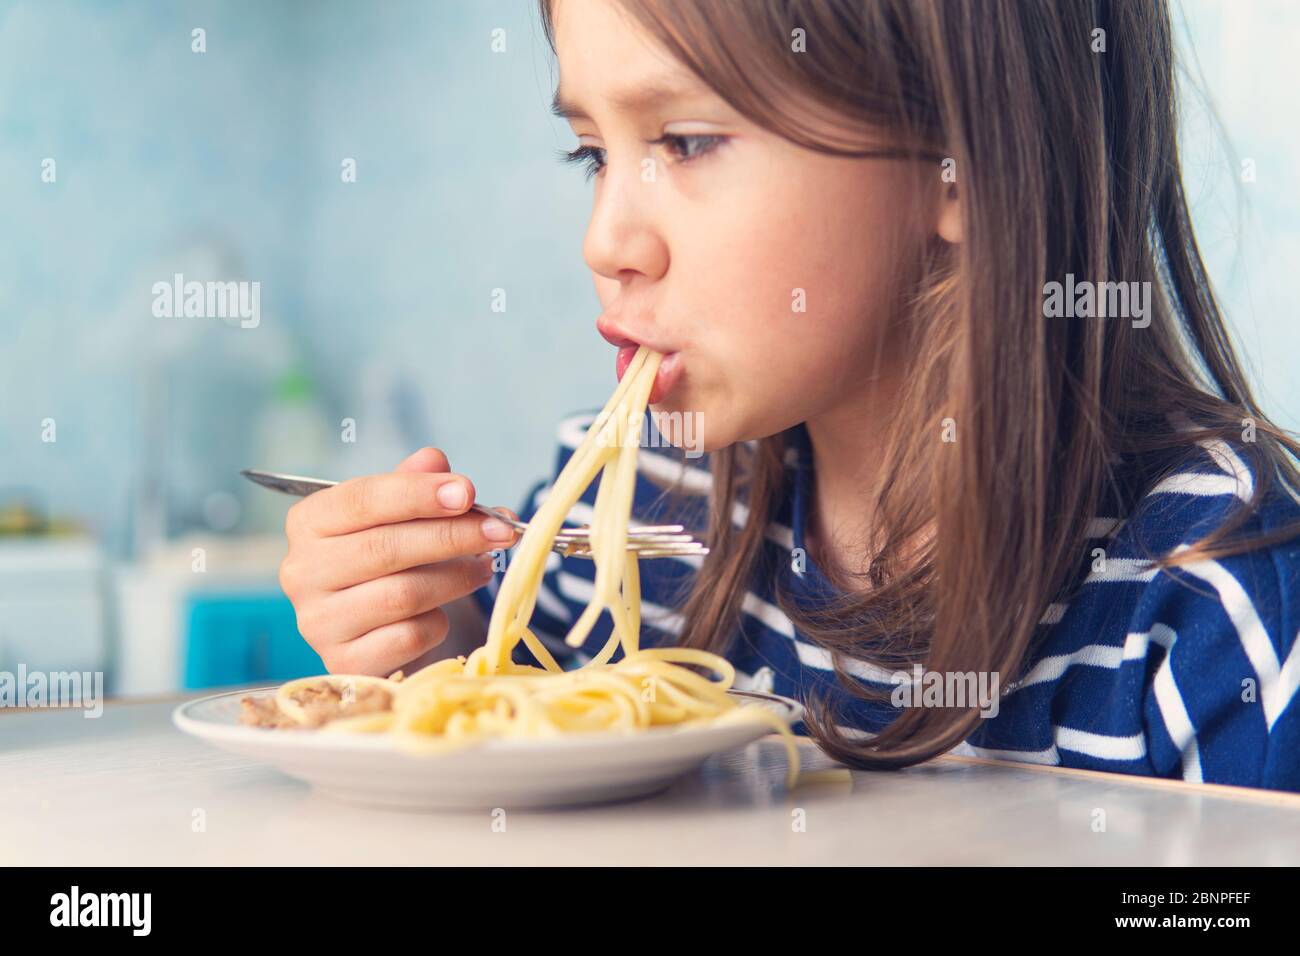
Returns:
(372, 561)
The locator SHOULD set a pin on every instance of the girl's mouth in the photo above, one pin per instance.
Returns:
(670, 371)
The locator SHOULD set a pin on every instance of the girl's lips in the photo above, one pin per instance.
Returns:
(670, 371)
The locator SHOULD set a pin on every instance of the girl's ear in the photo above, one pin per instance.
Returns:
(948, 225)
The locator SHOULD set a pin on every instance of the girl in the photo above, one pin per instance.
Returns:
(983, 472)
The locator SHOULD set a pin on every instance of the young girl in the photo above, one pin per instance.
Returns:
(983, 472)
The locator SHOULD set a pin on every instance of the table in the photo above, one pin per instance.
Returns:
(129, 789)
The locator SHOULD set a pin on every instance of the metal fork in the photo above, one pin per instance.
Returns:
(648, 541)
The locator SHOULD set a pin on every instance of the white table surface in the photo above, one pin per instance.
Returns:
(127, 787)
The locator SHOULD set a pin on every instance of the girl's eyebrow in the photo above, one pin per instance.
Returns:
(636, 98)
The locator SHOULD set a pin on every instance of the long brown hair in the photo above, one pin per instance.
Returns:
(1059, 119)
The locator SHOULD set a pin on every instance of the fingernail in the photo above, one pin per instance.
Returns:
(488, 561)
(452, 495)
(494, 529)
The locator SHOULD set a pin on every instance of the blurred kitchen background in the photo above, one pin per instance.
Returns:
(128, 541)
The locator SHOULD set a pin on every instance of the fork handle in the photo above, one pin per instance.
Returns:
(301, 487)
(652, 542)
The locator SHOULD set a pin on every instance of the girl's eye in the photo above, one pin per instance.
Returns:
(686, 147)
(683, 147)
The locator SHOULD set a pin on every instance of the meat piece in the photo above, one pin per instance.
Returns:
(321, 703)
(325, 702)
(264, 712)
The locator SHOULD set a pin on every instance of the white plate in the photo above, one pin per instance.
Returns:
(370, 769)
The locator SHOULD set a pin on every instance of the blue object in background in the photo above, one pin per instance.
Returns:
(237, 639)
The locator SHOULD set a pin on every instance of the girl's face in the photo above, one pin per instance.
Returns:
(765, 272)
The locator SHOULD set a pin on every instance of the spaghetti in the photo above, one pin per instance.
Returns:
(460, 701)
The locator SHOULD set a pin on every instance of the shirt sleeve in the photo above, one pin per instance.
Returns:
(1219, 702)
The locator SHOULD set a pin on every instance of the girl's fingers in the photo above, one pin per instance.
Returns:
(360, 503)
(347, 560)
(364, 607)
(426, 459)
(390, 647)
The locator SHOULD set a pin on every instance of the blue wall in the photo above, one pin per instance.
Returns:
(227, 164)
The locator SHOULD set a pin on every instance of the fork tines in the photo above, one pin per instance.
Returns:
(653, 551)
(648, 541)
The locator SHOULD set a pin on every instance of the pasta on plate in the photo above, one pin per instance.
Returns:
(461, 701)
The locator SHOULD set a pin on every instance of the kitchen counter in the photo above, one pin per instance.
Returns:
(128, 788)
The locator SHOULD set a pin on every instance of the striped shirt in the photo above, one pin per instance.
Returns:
(1186, 673)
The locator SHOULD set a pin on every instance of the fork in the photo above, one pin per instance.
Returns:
(648, 541)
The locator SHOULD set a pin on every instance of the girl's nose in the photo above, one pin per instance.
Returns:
(622, 236)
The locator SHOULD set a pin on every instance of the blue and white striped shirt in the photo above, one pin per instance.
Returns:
(1190, 673)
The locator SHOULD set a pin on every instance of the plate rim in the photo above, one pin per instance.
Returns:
(380, 743)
